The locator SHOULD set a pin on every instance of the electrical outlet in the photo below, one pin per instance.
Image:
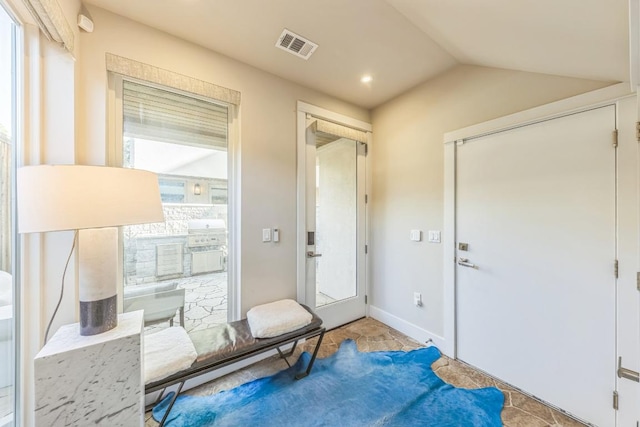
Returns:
(417, 299)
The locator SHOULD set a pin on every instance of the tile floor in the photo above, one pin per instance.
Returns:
(206, 302)
(371, 335)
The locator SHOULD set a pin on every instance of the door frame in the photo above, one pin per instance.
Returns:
(611, 95)
(302, 111)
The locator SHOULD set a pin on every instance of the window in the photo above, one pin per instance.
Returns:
(184, 139)
(8, 70)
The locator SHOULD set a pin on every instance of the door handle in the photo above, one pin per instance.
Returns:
(465, 263)
(311, 254)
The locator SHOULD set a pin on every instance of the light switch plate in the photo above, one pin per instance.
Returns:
(415, 235)
(266, 234)
(434, 236)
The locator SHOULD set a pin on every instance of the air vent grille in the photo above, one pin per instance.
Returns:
(295, 44)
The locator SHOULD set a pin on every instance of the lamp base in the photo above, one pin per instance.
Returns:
(99, 316)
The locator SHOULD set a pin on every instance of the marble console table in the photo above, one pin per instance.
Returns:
(92, 380)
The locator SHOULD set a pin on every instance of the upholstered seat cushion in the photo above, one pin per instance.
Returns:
(277, 318)
(167, 352)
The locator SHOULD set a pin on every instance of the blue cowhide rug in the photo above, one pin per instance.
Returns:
(349, 388)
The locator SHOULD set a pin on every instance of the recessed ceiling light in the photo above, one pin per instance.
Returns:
(366, 78)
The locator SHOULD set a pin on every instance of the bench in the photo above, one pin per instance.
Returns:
(225, 344)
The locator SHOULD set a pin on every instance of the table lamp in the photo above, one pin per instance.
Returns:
(93, 200)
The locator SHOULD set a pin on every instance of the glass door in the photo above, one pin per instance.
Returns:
(335, 226)
(8, 87)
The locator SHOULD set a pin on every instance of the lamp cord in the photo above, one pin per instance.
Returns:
(64, 273)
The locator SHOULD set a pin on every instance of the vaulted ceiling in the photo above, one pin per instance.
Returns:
(400, 43)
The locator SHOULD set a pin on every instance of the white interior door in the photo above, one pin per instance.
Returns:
(536, 286)
(335, 218)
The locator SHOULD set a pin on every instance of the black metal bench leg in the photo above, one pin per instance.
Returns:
(288, 354)
(173, 400)
(301, 375)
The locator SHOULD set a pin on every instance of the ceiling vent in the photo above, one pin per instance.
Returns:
(295, 44)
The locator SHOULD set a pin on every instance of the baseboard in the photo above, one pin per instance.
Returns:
(407, 328)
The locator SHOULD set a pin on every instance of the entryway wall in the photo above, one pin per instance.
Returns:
(408, 181)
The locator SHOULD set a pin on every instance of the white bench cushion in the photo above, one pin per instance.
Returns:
(167, 352)
(277, 318)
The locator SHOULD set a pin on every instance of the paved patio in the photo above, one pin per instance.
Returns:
(205, 302)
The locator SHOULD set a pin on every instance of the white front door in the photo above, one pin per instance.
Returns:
(536, 249)
(335, 226)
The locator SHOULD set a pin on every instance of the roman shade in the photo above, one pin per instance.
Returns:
(52, 22)
(159, 115)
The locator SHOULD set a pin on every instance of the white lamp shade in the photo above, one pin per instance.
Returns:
(73, 197)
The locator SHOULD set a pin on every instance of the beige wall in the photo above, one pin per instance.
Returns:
(268, 137)
(408, 168)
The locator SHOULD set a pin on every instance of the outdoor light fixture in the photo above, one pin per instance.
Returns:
(93, 200)
(196, 189)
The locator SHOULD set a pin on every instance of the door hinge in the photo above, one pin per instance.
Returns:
(638, 131)
(366, 198)
(366, 249)
(366, 149)
(366, 299)
(615, 269)
(615, 138)
(615, 400)
(638, 282)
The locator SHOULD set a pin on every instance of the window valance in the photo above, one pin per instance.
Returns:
(341, 131)
(138, 70)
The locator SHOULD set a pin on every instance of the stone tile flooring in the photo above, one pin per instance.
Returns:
(205, 302)
(322, 299)
(371, 335)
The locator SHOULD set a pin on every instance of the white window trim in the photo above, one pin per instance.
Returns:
(114, 158)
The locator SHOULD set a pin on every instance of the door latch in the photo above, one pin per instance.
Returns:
(627, 373)
(465, 263)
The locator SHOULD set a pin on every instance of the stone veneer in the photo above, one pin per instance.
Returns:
(140, 241)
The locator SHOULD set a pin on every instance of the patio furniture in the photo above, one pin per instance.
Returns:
(160, 302)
